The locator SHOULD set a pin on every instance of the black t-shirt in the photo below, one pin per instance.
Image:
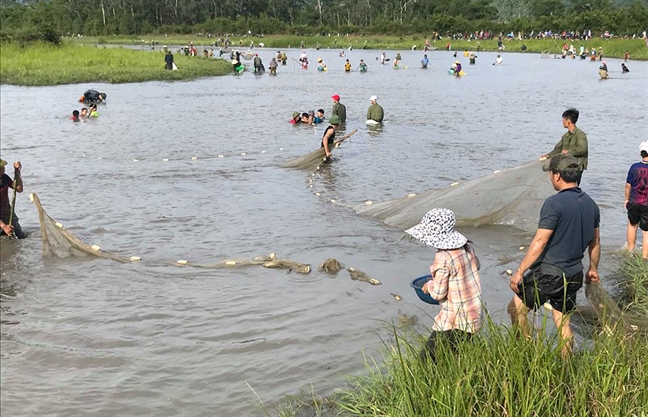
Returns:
(573, 216)
(5, 207)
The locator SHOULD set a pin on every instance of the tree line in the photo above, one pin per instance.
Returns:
(310, 17)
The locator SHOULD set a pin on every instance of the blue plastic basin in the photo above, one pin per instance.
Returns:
(417, 284)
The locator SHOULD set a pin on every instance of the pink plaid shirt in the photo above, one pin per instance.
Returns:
(457, 286)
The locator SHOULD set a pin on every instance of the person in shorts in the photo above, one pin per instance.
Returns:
(636, 200)
(568, 225)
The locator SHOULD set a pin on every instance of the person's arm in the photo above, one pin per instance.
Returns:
(325, 140)
(580, 146)
(594, 251)
(536, 248)
(437, 287)
(369, 113)
(628, 188)
(556, 150)
(381, 114)
(17, 183)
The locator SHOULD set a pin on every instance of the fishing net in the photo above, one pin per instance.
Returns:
(510, 196)
(609, 313)
(314, 159)
(58, 241)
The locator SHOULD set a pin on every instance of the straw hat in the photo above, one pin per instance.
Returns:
(437, 229)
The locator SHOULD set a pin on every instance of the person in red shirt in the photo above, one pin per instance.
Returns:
(9, 227)
(75, 116)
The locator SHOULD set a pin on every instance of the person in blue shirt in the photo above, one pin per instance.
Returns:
(319, 117)
(425, 61)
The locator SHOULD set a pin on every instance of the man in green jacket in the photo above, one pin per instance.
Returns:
(375, 111)
(573, 143)
(339, 109)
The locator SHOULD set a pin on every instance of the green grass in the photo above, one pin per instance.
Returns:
(41, 64)
(499, 374)
(615, 48)
(633, 278)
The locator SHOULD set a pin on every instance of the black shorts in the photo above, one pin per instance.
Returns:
(537, 288)
(638, 213)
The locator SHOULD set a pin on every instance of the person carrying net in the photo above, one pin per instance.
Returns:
(8, 220)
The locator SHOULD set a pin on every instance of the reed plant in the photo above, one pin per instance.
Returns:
(46, 64)
(633, 280)
(499, 374)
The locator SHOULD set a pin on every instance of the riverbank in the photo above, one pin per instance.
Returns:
(44, 64)
(613, 48)
(498, 374)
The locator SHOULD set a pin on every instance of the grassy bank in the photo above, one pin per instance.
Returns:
(43, 64)
(498, 374)
(611, 47)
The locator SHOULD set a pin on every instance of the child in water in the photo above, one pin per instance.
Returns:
(93, 111)
(75, 116)
(347, 66)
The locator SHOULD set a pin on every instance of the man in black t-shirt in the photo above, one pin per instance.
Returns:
(569, 225)
(9, 224)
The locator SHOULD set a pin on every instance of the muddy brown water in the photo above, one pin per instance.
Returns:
(90, 336)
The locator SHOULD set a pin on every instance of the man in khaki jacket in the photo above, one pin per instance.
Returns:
(573, 143)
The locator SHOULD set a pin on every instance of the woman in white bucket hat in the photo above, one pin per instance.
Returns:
(455, 282)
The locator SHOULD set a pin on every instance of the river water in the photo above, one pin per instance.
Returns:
(90, 336)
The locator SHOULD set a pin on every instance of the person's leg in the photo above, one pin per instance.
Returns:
(564, 328)
(518, 313)
(631, 235)
(429, 350)
(644, 245)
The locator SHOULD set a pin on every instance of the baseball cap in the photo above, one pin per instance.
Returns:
(559, 163)
(335, 97)
(643, 146)
(3, 163)
(372, 98)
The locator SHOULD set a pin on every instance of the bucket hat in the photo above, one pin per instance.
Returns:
(437, 229)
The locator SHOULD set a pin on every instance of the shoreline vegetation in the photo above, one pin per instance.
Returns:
(499, 374)
(612, 48)
(41, 64)
(88, 59)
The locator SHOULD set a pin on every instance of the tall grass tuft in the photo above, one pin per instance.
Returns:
(633, 279)
(498, 374)
(46, 64)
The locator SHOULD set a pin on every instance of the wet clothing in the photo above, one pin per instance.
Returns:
(458, 69)
(258, 65)
(573, 216)
(603, 67)
(537, 288)
(347, 67)
(92, 96)
(318, 119)
(5, 207)
(363, 67)
(331, 139)
(168, 59)
(624, 69)
(425, 62)
(456, 284)
(576, 145)
(375, 113)
(340, 110)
